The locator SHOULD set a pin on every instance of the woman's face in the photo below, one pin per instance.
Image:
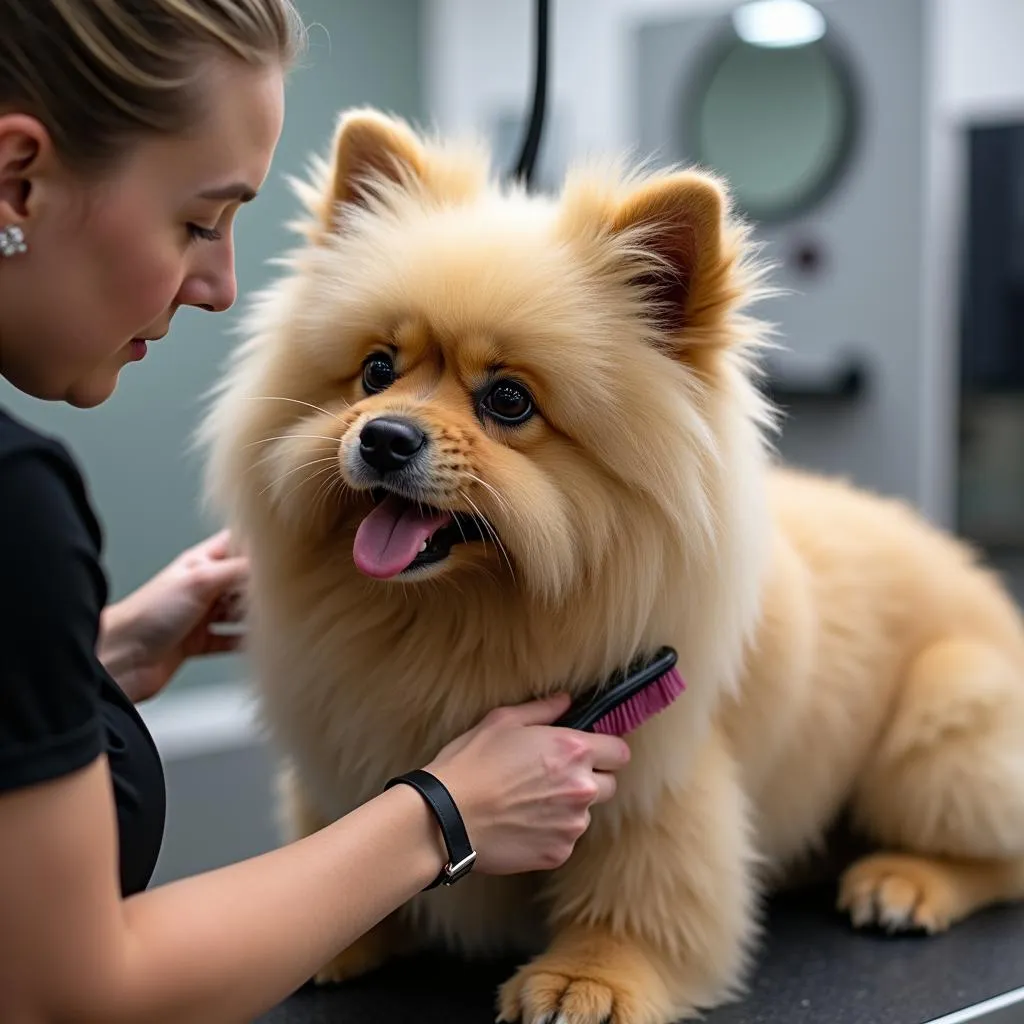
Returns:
(110, 262)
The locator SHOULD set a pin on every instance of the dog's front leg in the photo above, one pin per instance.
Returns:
(653, 916)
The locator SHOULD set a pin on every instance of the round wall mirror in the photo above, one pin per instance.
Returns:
(777, 122)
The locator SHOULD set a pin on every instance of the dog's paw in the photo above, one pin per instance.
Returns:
(554, 990)
(898, 893)
(545, 998)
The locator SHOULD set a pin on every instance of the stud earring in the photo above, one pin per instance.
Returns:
(12, 241)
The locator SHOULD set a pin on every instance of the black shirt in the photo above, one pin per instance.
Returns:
(59, 708)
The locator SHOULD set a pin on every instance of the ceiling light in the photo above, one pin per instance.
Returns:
(778, 23)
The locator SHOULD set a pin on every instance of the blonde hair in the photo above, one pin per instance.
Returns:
(102, 73)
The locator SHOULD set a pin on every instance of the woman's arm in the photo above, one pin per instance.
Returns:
(146, 637)
(227, 945)
(223, 946)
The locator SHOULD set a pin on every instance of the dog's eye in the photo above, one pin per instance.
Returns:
(508, 402)
(378, 373)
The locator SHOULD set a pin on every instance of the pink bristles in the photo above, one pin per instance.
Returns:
(643, 705)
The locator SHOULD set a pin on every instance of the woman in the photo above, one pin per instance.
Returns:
(131, 131)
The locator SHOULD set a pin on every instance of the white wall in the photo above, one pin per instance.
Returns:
(982, 57)
(479, 58)
(479, 63)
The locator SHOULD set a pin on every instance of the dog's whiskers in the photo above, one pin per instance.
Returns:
(500, 498)
(309, 479)
(490, 529)
(295, 469)
(458, 523)
(465, 497)
(296, 437)
(326, 489)
(268, 456)
(298, 401)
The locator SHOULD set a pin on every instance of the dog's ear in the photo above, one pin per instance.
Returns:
(669, 236)
(369, 149)
(677, 222)
(373, 152)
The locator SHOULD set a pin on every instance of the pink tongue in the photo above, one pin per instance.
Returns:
(391, 536)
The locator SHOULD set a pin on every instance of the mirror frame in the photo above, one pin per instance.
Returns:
(694, 87)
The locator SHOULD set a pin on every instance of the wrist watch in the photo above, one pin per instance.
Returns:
(461, 855)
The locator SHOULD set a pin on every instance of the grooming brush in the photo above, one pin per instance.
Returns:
(628, 698)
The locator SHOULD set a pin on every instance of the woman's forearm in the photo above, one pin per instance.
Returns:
(226, 945)
(116, 649)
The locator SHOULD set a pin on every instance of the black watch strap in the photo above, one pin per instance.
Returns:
(461, 854)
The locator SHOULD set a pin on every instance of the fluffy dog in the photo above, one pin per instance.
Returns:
(482, 446)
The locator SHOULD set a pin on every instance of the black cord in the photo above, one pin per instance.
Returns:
(526, 164)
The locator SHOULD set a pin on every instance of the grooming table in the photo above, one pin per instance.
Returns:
(814, 969)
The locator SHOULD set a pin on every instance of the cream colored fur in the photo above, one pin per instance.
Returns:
(840, 654)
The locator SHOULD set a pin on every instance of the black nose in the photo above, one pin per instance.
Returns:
(388, 444)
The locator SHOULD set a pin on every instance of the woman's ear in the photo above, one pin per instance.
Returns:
(25, 151)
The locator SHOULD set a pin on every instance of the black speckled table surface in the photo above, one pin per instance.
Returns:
(814, 969)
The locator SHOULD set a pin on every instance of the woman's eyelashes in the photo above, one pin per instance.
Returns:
(197, 233)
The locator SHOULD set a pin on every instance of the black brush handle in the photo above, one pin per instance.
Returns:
(589, 708)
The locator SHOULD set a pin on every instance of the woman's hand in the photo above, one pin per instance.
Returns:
(525, 788)
(146, 637)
